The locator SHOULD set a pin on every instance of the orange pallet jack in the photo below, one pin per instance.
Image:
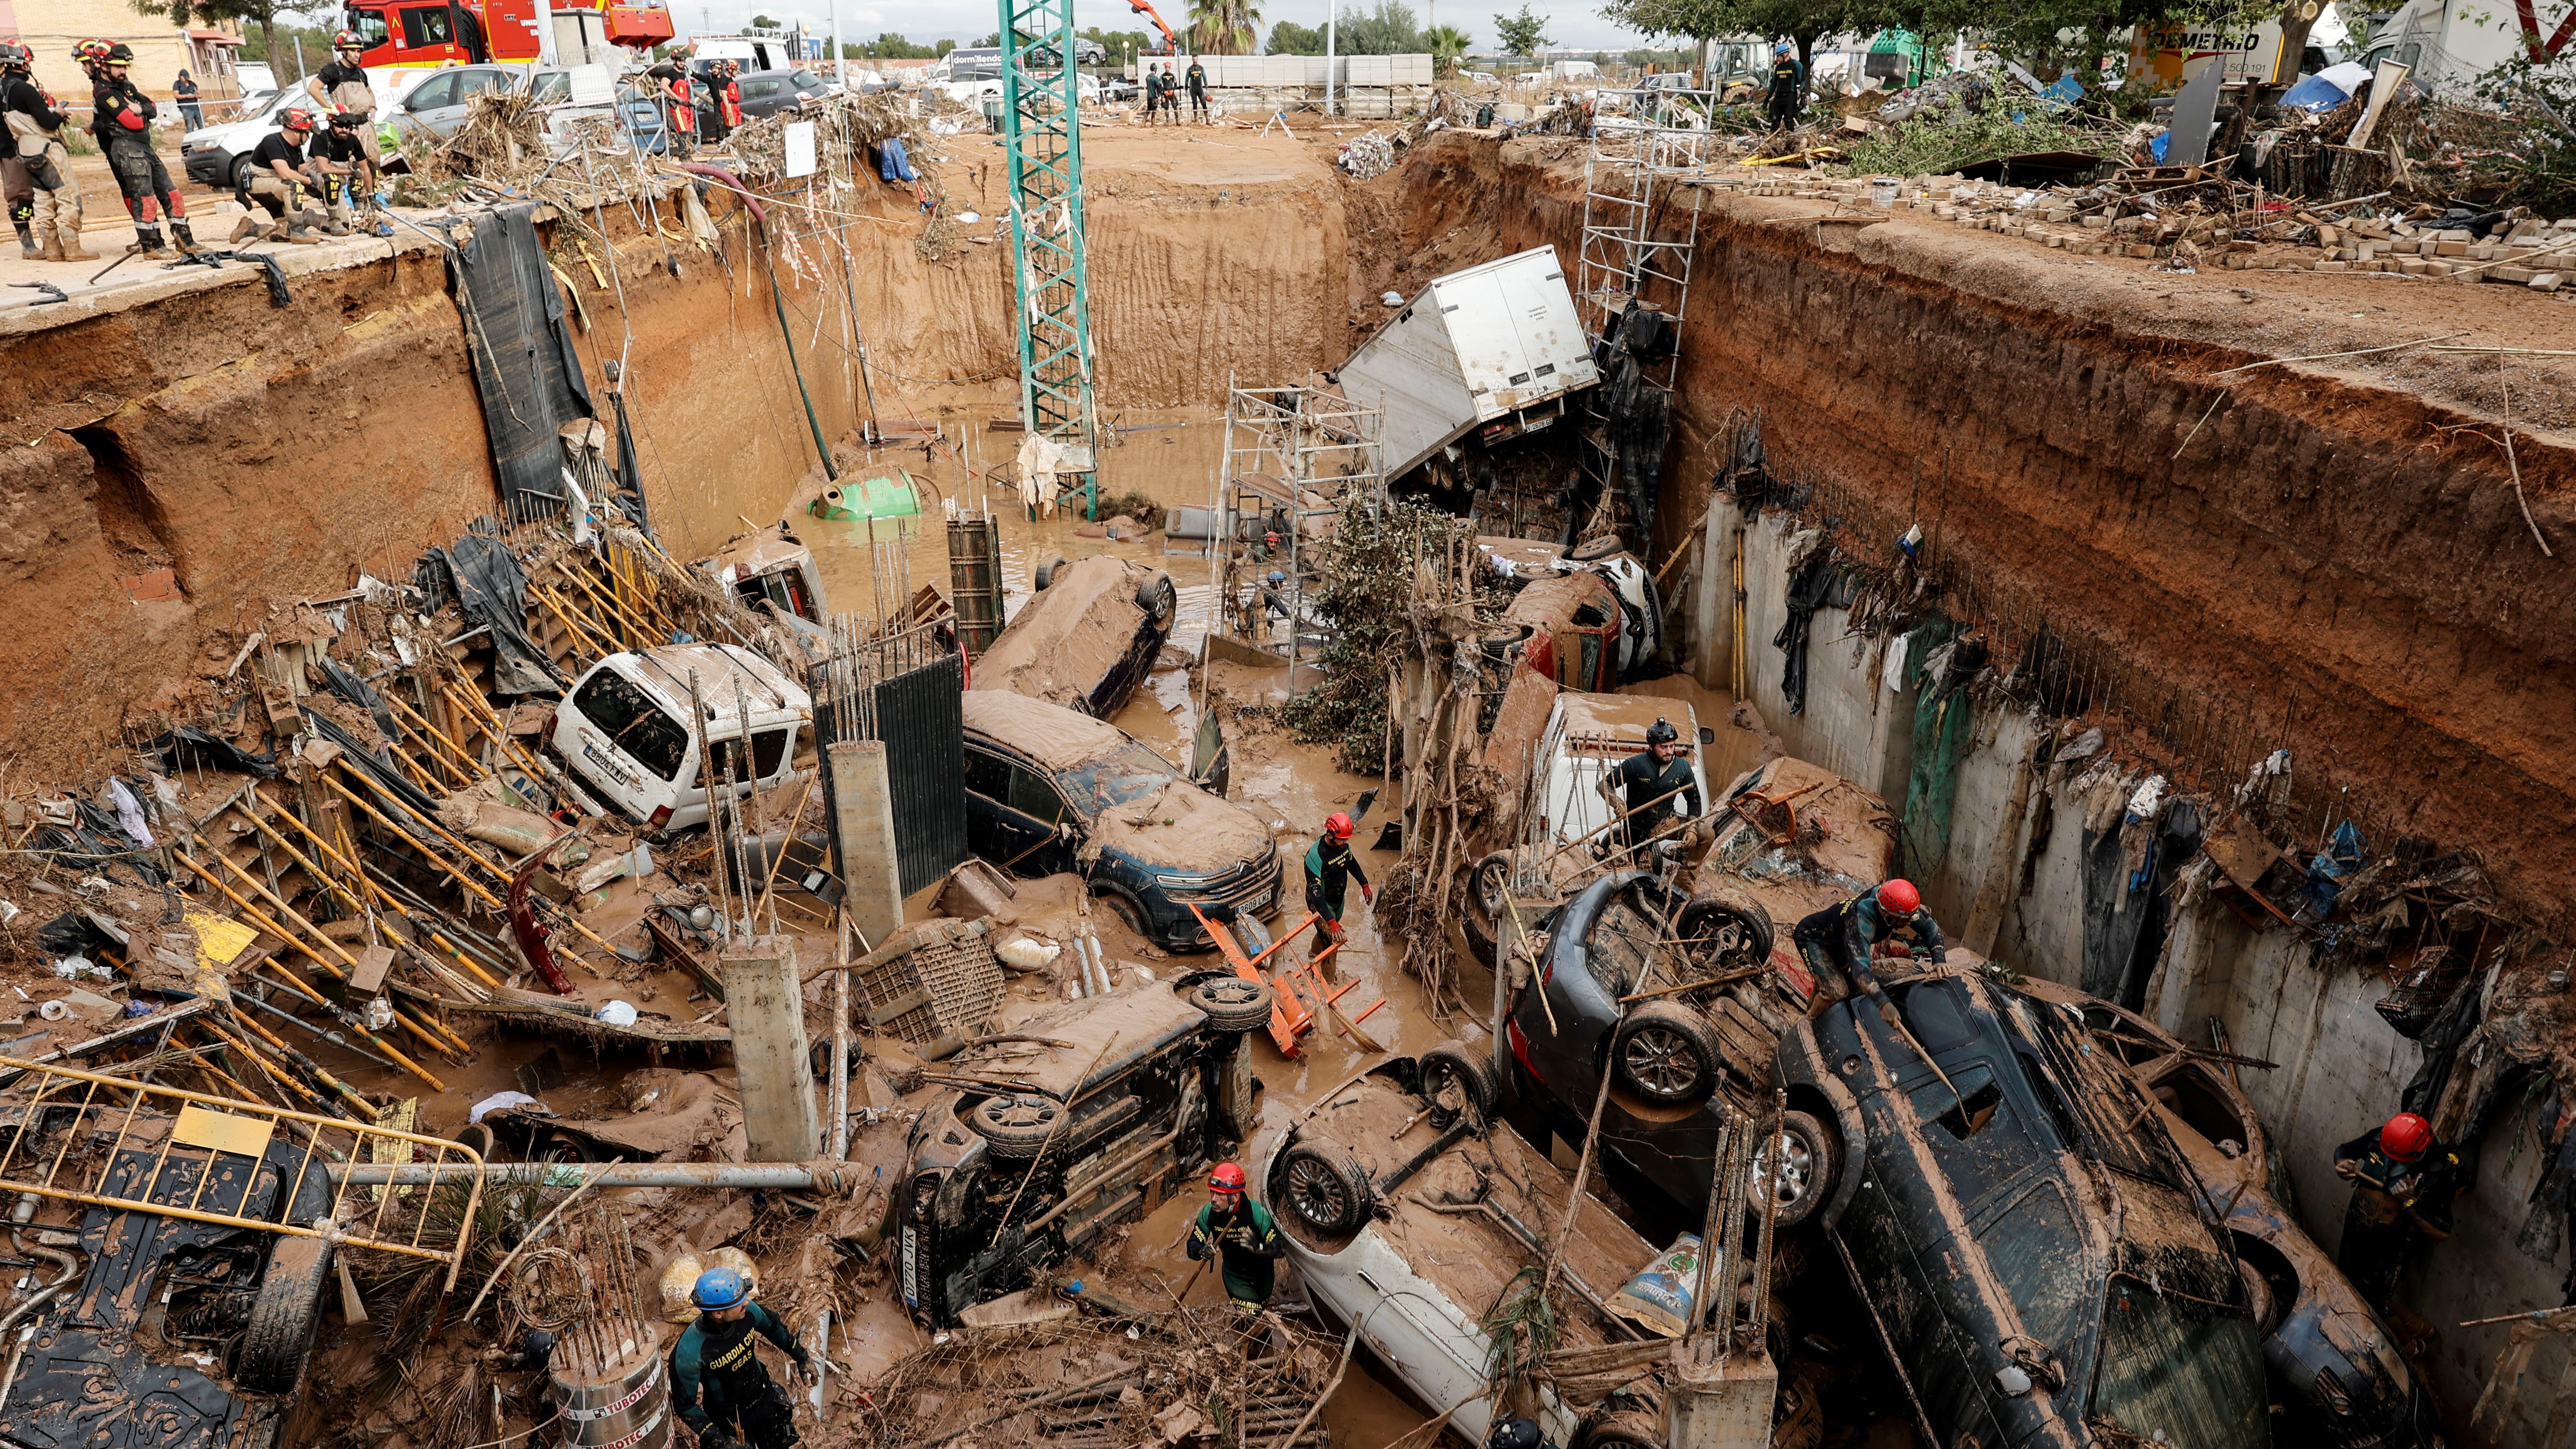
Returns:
(1299, 993)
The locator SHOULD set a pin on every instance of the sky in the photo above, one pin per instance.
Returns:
(1571, 25)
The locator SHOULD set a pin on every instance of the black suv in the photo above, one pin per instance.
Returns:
(1088, 1116)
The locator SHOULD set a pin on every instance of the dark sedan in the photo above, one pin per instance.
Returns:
(767, 92)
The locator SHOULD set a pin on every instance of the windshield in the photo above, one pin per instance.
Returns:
(1129, 772)
(552, 88)
(370, 25)
(2175, 1371)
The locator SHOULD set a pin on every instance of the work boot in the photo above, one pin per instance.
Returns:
(246, 229)
(184, 237)
(147, 242)
(28, 247)
(297, 230)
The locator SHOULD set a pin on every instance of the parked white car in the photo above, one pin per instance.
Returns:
(217, 155)
(623, 729)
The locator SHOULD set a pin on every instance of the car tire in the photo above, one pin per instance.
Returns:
(1158, 598)
(1046, 572)
(1323, 1187)
(1813, 1157)
(1473, 1074)
(1628, 1429)
(1232, 1003)
(1595, 550)
(1015, 1126)
(1129, 914)
(283, 1316)
(1740, 924)
(242, 169)
(1667, 1054)
(1483, 885)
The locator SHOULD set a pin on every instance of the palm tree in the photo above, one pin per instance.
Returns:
(1223, 27)
(1447, 43)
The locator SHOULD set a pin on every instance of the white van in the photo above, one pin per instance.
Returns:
(623, 728)
(1587, 737)
(2447, 44)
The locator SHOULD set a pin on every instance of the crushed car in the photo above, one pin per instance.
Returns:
(1409, 1211)
(622, 729)
(772, 571)
(1077, 1120)
(1049, 789)
(1587, 617)
(1086, 637)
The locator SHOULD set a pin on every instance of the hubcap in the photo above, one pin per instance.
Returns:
(1316, 1192)
(1660, 1062)
(1019, 1113)
(1796, 1169)
(1233, 992)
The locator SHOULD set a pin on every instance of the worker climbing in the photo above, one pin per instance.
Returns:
(1240, 1235)
(1331, 865)
(1661, 786)
(717, 1384)
(2403, 1180)
(1844, 937)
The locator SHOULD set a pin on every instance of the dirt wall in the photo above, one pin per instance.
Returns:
(2334, 562)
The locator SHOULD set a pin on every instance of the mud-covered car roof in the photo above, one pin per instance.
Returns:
(1052, 735)
(1069, 635)
(1142, 1020)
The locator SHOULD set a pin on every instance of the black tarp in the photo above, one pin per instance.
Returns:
(356, 691)
(1807, 589)
(491, 591)
(2125, 907)
(524, 366)
(189, 745)
(629, 496)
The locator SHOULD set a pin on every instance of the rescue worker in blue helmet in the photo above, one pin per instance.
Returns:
(717, 1384)
(1788, 87)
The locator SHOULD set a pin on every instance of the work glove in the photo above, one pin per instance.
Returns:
(800, 1363)
(1368, 893)
(715, 1436)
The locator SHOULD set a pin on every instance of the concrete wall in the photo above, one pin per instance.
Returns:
(2341, 1068)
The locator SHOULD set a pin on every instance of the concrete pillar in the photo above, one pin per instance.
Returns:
(765, 1006)
(863, 837)
(1713, 596)
(1721, 1405)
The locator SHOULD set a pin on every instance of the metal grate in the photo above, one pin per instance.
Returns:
(934, 986)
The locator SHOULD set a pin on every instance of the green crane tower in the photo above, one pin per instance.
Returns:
(1042, 135)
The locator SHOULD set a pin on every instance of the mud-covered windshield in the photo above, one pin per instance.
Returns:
(1129, 772)
(2175, 1371)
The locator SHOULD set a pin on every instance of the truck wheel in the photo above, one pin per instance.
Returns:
(1796, 1169)
(1322, 1185)
(1487, 882)
(1729, 931)
(1047, 571)
(1015, 1125)
(1449, 1064)
(1157, 597)
(1233, 1003)
(283, 1316)
(1667, 1054)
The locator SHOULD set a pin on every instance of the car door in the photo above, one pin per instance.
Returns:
(762, 94)
(432, 106)
(1012, 813)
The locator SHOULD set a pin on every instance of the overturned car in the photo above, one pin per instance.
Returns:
(1086, 637)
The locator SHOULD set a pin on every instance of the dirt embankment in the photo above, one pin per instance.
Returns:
(2335, 559)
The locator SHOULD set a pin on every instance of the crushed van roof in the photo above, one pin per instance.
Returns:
(1050, 734)
(665, 673)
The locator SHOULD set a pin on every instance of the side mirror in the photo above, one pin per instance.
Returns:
(1707, 736)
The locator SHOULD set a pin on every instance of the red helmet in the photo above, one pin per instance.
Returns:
(2406, 1137)
(1226, 1178)
(295, 118)
(1339, 827)
(348, 40)
(1901, 897)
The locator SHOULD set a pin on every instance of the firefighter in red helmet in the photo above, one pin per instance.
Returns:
(1848, 935)
(1239, 1233)
(2403, 1180)
(1331, 865)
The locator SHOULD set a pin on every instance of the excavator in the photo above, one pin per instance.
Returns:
(1171, 42)
(432, 33)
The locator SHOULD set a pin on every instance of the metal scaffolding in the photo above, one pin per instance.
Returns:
(1648, 150)
(1042, 138)
(1283, 444)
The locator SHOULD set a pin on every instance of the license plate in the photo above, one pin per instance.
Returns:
(1260, 902)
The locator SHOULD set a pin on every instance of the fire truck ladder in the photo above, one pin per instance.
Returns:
(1042, 135)
(1641, 154)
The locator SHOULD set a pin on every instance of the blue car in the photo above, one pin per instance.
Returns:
(1049, 789)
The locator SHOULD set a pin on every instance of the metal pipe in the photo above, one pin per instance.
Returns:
(816, 1176)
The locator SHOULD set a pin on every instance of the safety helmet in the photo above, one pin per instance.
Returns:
(1661, 732)
(1901, 897)
(1226, 1178)
(2406, 1137)
(348, 40)
(1780, 47)
(89, 52)
(1339, 826)
(345, 120)
(1512, 1432)
(720, 1288)
(119, 54)
(295, 118)
(14, 56)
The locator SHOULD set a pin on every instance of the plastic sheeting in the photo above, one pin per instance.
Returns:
(524, 367)
(492, 592)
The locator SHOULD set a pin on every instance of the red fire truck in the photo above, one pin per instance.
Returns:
(455, 32)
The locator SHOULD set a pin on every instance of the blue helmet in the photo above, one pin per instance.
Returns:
(720, 1288)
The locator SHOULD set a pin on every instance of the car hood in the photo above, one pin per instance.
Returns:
(1183, 828)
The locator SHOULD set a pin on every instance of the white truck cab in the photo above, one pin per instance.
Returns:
(624, 728)
(1586, 739)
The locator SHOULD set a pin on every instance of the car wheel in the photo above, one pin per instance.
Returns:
(1488, 884)
(1796, 1169)
(1667, 1054)
(1233, 1003)
(241, 173)
(1157, 597)
(1597, 549)
(1730, 932)
(1449, 1065)
(1127, 912)
(1015, 1125)
(1628, 1429)
(1322, 1185)
(1047, 571)
(283, 1316)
